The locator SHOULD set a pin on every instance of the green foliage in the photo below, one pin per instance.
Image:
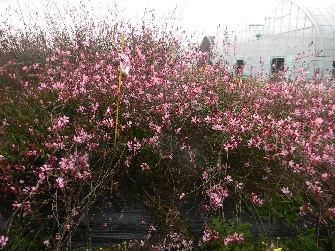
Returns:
(309, 239)
(29, 240)
(279, 208)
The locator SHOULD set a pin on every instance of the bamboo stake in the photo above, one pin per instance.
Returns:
(117, 109)
(118, 99)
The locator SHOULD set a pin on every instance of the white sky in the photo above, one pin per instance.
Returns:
(200, 16)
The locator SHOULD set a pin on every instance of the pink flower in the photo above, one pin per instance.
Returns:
(4, 122)
(285, 190)
(228, 179)
(331, 212)
(205, 175)
(74, 212)
(82, 136)
(59, 123)
(298, 57)
(109, 122)
(134, 146)
(318, 121)
(239, 185)
(195, 120)
(59, 182)
(216, 200)
(3, 241)
(85, 43)
(58, 86)
(255, 199)
(325, 176)
(46, 243)
(145, 166)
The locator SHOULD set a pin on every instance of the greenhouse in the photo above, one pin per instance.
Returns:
(297, 33)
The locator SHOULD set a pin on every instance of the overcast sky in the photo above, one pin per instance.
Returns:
(200, 16)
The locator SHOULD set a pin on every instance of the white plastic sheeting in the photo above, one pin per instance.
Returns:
(295, 28)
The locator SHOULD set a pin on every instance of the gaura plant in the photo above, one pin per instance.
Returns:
(176, 130)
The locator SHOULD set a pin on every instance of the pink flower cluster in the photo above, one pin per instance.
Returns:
(209, 235)
(3, 241)
(235, 238)
(256, 200)
(173, 241)
(217, 193)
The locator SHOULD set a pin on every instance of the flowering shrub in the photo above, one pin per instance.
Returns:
(171, 131)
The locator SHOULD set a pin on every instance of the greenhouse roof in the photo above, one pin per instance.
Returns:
(320, 12)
